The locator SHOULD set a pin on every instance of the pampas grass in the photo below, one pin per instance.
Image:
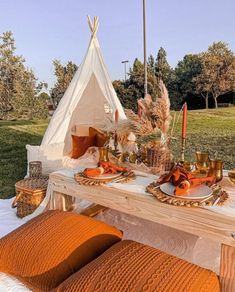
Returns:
(160, 110)
(154, 120)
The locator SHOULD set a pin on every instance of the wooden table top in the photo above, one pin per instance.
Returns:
(198, 221)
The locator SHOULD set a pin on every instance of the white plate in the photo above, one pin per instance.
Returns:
(195, 193)
(106, 176)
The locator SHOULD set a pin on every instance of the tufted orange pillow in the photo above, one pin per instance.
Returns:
(131, 266)
(101, 137)
(80, 144)
(49, 248)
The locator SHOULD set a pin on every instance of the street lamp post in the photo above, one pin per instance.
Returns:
(145, 49)
(124, 62)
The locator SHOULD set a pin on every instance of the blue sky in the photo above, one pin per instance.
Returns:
(49, 29)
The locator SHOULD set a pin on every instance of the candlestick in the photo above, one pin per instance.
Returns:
(184, 124)
(183, 149)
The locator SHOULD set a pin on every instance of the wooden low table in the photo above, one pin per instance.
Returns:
(197, 221)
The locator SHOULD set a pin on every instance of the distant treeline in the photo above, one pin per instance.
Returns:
(203, 80)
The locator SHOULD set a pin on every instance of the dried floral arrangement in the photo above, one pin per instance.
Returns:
(150, 127)
(152, 122)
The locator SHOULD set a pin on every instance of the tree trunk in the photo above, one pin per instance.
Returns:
(216, 102)
(206, 97)
(206, 100)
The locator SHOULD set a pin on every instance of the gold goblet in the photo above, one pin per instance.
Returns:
(216, 169)
(202, 162)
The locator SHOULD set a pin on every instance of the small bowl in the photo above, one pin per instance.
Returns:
(231, 175)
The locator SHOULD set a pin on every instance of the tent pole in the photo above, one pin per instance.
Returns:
(145, 56)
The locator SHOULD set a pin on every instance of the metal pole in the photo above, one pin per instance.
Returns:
(124, 62)
(145, 48)
(125, 71)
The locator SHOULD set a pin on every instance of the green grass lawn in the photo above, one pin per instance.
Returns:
(13, 138)
(208, 130)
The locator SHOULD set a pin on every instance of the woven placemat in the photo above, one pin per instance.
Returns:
(87, 181)
(219, 196)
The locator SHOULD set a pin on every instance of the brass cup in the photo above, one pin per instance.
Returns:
(104, 154)
(231, 175)
(202, 162)
(216, 169)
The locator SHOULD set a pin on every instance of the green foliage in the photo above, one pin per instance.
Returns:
(217, 76)
(133, 89)
(18, 88)
(64, 75)
(162, 68)
(185, 72)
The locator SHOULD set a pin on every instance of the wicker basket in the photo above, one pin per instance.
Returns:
(159, 159)
(30, 193)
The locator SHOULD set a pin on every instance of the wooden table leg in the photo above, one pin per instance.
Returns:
(227, 268)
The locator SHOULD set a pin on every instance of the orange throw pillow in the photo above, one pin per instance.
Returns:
(131, 266)
(80, 144)
(101, 138)
(51, 247)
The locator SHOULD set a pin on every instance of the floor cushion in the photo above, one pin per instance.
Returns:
(50, 155)
(130, 266)
(49, 248)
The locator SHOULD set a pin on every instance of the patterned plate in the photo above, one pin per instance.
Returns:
(196, 193)
(106, 176)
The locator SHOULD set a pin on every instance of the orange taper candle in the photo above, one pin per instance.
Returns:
(116, 116)
(184, 124)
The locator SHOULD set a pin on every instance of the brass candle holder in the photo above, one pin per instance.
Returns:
(183, 145)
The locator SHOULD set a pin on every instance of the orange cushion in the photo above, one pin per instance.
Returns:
(49, 248)
(130, 266)
(101, 138)
(80, 144)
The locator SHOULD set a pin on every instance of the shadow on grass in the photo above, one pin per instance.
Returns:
(13, 157)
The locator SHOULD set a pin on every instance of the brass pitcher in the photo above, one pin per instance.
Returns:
(216, 169)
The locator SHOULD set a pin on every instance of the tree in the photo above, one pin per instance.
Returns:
(133, 89)
(185, 72)
(218, 71)
(18, 85)
(162, 68)
(151, 64)
(202, 83)
(64, 75)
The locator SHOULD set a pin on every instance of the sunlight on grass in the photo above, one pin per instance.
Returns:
(208, 130)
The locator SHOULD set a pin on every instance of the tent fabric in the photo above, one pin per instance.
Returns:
(90, 98)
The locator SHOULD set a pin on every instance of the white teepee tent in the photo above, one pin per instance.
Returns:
(89, 98)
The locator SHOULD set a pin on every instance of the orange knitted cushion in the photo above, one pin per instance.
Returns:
(100, 137)
(80, 144)
(49, 248)
(130, 266)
